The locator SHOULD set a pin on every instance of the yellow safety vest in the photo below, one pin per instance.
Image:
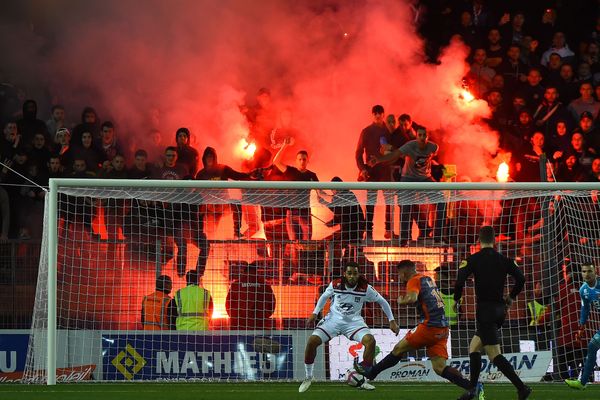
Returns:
(449, 308)
(192, 308)
(537, 311)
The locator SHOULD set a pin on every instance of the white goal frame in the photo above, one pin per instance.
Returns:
(51, 223)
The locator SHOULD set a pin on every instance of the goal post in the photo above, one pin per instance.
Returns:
(107, 242)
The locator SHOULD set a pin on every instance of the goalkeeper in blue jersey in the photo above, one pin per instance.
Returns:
(590, 299)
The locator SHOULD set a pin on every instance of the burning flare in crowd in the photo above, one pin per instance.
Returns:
(246, 149)
(502, 174)
(466, 96)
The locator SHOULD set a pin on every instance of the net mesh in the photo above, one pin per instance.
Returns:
(262, 258)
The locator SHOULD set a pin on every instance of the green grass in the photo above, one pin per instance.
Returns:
(278, 391)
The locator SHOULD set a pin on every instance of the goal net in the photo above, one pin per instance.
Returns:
(183, 280)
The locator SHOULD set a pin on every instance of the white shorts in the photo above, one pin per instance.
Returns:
(328, 328)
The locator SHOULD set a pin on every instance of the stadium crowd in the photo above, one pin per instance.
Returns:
(542, 86)
(539, 76)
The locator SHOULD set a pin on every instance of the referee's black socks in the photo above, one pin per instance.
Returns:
(504, 366)
(474, 367)
(454, 376)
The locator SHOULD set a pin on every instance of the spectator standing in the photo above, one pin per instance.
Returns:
(194, 305)
(368, 146)
(348, 215)
(187, 156)
(159, 312)
(214, 171)
(246, 292)
(300, 218)
(418, 156)
(181, 217)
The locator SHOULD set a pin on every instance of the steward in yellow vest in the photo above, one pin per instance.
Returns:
(443, 278)
(158, 310)
(194, 305)
(537, 312)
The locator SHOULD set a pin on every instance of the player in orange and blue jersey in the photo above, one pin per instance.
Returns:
(431, 333)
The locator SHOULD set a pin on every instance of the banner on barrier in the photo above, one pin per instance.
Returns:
(13, 354)
(188, 356)
(342, 350)
(530, 366)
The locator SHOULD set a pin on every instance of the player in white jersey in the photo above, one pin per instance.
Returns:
(348, 294)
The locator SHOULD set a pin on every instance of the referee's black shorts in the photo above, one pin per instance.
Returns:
(490, 317)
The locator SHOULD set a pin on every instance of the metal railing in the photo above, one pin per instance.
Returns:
(19, 261)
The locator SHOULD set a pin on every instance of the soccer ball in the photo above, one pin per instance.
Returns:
(354, 379)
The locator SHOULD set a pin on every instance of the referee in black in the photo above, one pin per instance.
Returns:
(490, 270)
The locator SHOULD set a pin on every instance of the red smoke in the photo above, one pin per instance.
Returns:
(197, 61)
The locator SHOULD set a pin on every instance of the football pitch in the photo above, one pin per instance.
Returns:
(278, 391)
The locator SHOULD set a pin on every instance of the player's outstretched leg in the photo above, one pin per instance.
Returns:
(588, 366)
(310, 353)
(449, 373)
(368, 341)
(388, 361)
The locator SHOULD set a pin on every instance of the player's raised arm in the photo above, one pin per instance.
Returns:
(277, 160)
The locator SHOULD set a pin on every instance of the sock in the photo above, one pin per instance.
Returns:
(508, 371)
(590, 361)
(388, 362)
(308, 369)
(456, 377)
(475, 367)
